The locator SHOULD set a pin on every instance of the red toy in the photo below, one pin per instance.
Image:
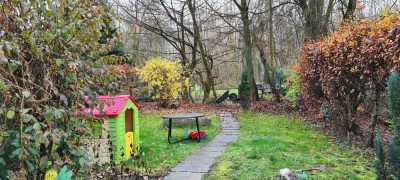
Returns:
(194, 135)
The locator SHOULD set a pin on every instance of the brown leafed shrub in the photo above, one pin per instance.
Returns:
(310, 75)
(350, 64)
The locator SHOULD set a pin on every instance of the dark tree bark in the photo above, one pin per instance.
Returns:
(244, 16)
(317, 20)
(273, 62)
(374, 119)
(209, 81)
(350, 8)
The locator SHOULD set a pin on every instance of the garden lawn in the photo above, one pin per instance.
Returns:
(160, 156)
(269, 143)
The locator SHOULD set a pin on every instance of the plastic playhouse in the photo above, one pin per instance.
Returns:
(120, 126)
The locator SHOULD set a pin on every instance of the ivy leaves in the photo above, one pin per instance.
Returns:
(48, 54)
(10, 114)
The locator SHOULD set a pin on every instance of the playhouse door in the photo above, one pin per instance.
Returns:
(129, 136)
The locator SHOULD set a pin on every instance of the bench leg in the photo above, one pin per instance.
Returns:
(198, 130)
(169, 130)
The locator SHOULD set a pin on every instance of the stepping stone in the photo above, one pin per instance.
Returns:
(230, 125)
(230, 132)
(207, 154)
(232, 128)
(184, 175)
(214, 149)
(216, 144)
(231, 139)
(197, 168)
(223, 140)
(225, 136)
(198, 160)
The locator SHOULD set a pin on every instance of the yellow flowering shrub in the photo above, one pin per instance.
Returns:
(164, 77)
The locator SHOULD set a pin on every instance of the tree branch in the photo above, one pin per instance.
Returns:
(237, 4)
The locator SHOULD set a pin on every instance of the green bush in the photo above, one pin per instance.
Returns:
(244, 90)
(393, 148)
(393, 157)
(379, 164)
(391, 169)
(293, 86)
(47, 69)
(268, 96)
(394, 99)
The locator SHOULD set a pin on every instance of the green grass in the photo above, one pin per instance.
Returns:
(159, 155)
(269, 143)
(219, 92)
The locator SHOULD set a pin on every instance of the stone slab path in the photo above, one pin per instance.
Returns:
(200, 162)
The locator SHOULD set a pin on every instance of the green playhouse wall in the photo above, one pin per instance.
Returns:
(117, 131)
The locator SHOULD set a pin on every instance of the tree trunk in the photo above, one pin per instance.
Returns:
(374, 119)
(191, 97)
(316, 21)
(207, 90)
(186, 89)
(327, 16)
(349, 119)
(214, 92)
(352, 125)
(351, 7)
(209, 81)
(185, 62)
(244, 12)
(263, 57)
(273, 63)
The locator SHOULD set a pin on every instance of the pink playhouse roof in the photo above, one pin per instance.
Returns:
(113, 105)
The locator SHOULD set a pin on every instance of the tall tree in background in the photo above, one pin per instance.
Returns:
(171, 24)
(247, 50)
(168, 21)
(109, 32)
(267, 50)
(317, 18)
(208, 84)
(350, 8)
(272, 60)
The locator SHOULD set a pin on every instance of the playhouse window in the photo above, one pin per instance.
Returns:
(95, 128)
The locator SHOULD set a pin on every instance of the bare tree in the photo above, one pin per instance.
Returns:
(247, 49)
(215, 39)
(169, 21)
(317, 18)
(208, 84)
